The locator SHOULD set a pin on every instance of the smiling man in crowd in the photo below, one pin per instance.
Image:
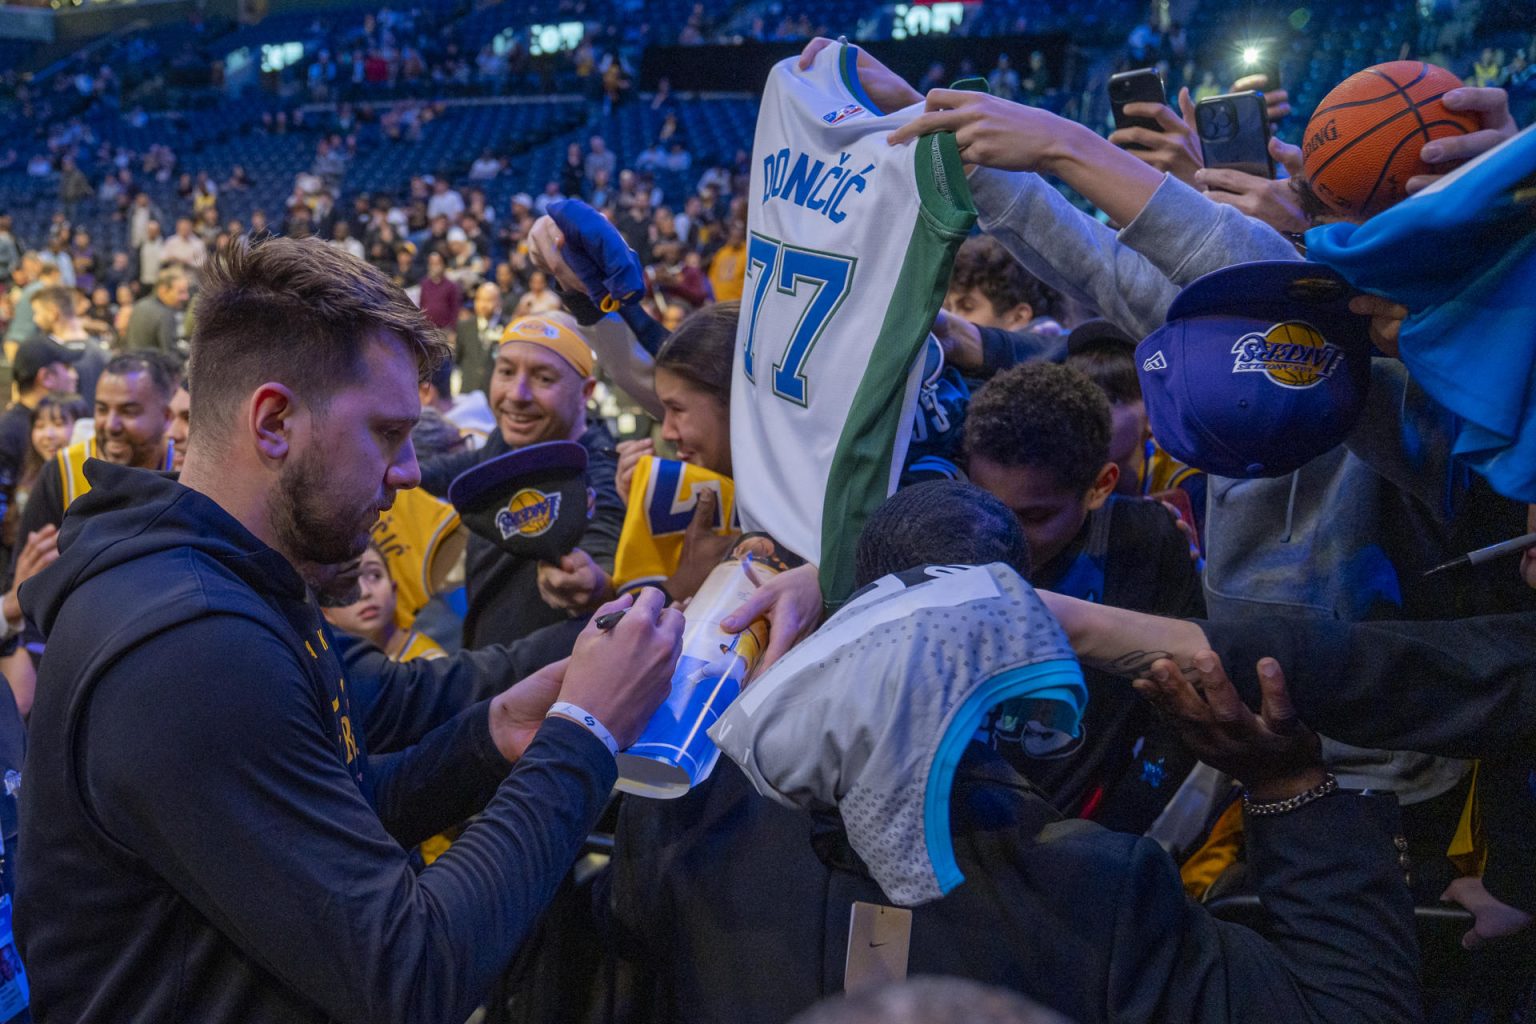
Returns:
(133, 421)
(541, 380)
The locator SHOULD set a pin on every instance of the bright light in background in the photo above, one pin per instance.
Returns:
(543, 39)
(926, 19)
(1250, 55)
(276, 56)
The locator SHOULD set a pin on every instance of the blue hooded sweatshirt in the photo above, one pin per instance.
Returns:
(203, 834)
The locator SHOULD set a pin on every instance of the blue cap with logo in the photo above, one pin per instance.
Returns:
(1260, 368)
(533, 502)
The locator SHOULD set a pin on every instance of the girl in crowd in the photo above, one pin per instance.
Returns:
(53, 422)
(693, 385)
(372, 615)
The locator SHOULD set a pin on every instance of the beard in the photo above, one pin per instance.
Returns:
(125, 451)
(310, 527)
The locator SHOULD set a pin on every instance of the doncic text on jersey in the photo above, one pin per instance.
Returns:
(819, 187)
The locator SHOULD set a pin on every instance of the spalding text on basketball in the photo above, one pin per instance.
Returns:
(1328, 132)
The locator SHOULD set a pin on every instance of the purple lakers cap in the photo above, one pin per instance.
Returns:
(533, 502)
(1259, 368)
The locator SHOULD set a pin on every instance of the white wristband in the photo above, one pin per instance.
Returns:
(588, 721)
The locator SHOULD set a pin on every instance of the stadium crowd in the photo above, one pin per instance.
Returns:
(339, 758)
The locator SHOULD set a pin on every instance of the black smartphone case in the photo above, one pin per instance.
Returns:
(1234, 133)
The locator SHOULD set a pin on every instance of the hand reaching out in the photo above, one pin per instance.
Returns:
(1492, 919)
(1491, 106)
(989, 131)
(1272, 753)
(791, 602)
(1272, 201)
(960, 340)
(880, 83)
(1175, 149)
(702, 548)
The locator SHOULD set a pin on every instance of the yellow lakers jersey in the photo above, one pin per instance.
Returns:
(422, 541)
(72, 462)
(1163, 472)
(662, 496)
(411, 646)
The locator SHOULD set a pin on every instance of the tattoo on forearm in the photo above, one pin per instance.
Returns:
(1135, 664)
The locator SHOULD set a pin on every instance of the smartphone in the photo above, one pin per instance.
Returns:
(1234, 133)
(1144, 85)
(1261, 59)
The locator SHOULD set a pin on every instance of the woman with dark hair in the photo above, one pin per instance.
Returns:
(693, 385)
(53, 420)
(52, 424)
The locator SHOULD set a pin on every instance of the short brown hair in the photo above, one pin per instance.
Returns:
(296, 311)
(983, 264)
(703, 348)
(57, 296)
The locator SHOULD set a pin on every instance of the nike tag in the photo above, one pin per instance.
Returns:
(878, 941)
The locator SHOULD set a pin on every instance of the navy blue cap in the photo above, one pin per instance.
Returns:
(1260, 368)
(533, 502)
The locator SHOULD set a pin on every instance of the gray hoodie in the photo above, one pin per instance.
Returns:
(1315, 542)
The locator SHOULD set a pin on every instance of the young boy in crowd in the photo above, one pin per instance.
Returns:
(990, 288)
(1037, 438)
(372, 615)
(1105, 354)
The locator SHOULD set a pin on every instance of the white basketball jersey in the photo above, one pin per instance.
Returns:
(848, 258)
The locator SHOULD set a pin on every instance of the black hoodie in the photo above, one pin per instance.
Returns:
(726, 906)
(203, 835)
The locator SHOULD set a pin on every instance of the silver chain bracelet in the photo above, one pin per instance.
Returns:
(1286, 806)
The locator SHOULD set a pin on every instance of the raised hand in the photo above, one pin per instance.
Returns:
(989, 131)
(880, 83)
(1277, 102)
(621, 676)
(1175, 149)
(630, 454)
(1491, 106)
(1271, 752)
(1272, 201)
(791, 602)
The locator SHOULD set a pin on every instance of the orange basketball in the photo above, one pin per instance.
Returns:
(1363, 142)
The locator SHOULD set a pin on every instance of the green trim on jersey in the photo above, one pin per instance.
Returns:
(860, 472)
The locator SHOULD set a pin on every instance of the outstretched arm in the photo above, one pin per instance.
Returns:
(1340, 943)
(1460, 688)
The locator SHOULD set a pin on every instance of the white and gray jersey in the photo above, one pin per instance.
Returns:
(849, 249)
